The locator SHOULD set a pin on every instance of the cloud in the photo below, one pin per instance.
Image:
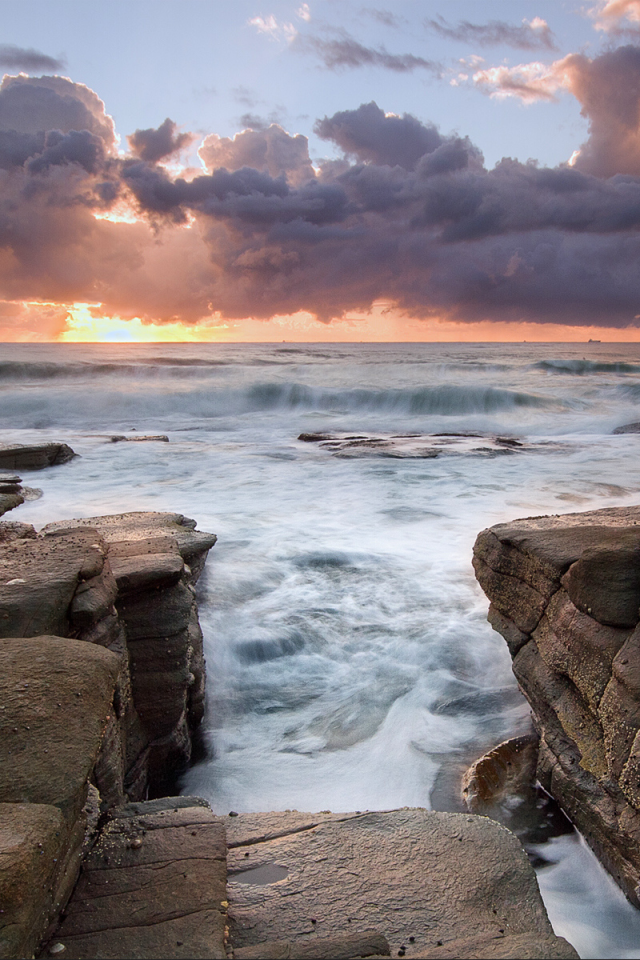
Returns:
(528, 82)
(607, 87)
(408, 215)
(344, 52)
(154, 145)
(34, 104)
(370, 135)
(385, 17)
(611, 14)
(275, 30)
(28, 60)
(530, 35)
(268, 149)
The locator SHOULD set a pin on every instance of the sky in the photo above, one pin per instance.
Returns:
(337, 170)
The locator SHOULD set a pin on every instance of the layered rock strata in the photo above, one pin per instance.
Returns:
(565, 595)
(81, 702)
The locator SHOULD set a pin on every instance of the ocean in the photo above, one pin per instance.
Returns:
(350, 664)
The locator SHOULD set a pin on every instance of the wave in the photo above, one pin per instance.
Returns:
(582, 367)
(13, 370)
(442, 399)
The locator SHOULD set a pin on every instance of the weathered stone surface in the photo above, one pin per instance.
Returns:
(435, 877)
(32, 842)
(56, 697)
(119, 528)
(506, 771)
(12, 530)
(34, 456)
(605, 581)
(153, 886)
(124, 582)
(577, 659)
(321, 948)
(523, 946)
(39, 577)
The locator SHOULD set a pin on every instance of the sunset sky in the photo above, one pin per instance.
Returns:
(426, 170)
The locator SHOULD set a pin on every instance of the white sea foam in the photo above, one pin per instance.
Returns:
(350, 662)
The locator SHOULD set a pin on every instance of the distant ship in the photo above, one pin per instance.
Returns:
(594, 341)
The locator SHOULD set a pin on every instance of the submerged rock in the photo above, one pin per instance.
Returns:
(565, 594)
(120, 438)
(413, 445)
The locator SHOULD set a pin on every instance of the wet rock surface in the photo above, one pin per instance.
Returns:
(565, 594)
(415, 445)
(422, 880)
(34, 456)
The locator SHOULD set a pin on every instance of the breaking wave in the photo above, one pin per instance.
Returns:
(582, 367)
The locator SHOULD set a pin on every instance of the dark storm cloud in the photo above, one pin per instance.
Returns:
(344, 52)
(526, 36)
(156, 144)
(408, 215)
(27, 59)
(369, 135)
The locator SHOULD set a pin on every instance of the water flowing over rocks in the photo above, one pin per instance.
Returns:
(101, 690)
(565, 595)
(417, 446)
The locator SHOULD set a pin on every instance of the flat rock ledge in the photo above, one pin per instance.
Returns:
(34, 456)
(565, 595)
(167, 878)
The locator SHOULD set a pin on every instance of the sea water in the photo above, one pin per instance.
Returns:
(350, 664)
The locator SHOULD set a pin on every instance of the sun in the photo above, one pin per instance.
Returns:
(84, 324)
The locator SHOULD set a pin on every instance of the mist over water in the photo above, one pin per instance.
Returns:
(349, 659)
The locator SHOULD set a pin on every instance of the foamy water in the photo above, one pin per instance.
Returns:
(350, 662)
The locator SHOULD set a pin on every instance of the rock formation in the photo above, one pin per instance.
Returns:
(33, 456)
(101, 686)
(76, 678)
(432, 884)
(565, 595)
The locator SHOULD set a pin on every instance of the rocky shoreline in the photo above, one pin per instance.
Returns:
(565, 595)
(103, 677)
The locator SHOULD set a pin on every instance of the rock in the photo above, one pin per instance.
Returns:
(32, 843)
(34, 456)
(56, 696)
(628, 428)
(413, 445)
(506, 771)
(118, 438)
(435, 877)
(154, 560)
(10, 530)
(154, 885)
(565, 594)
(323, 948)
(39, 577)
